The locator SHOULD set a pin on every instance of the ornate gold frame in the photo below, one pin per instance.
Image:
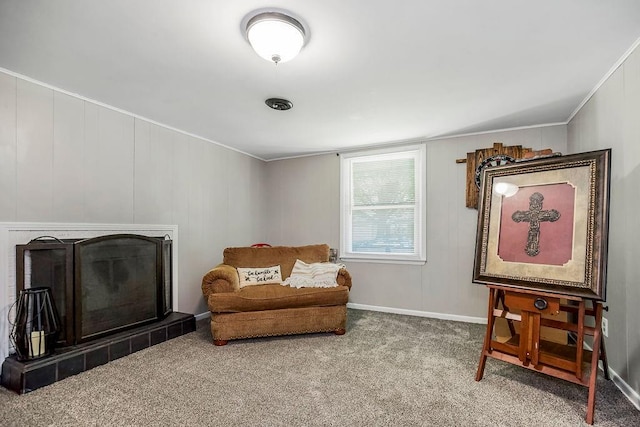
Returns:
(585, 273)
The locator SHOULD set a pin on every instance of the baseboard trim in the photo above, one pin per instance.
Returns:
(622, 385)
(443, 316)
(625, 388)
(203, 316)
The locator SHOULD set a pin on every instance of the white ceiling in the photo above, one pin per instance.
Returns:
(373, 71)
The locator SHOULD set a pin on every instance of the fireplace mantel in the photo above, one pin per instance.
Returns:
(12, 233)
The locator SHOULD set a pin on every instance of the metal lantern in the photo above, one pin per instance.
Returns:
(37, 324)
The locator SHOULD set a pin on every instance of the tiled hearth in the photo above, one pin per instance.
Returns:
(23, 377)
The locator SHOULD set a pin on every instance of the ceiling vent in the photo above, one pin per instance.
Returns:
(279, 104)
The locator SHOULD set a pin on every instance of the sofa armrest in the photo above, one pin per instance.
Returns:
(344, 278)
(221, 278)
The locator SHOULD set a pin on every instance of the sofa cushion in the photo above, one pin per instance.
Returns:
(284, 256)
(273, 297)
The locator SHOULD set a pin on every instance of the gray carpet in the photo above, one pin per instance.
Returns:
(388, 370)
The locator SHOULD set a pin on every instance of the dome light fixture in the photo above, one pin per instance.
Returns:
(275, 36)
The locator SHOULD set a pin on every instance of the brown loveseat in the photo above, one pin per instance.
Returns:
(273, 309)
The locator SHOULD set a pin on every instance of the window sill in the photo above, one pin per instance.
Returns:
(384, 261)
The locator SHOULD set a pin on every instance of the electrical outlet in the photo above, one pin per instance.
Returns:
(605, 327)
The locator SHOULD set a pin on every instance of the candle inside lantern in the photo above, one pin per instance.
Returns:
(37, 343)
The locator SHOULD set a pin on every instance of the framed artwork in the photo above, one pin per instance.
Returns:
(543, 225)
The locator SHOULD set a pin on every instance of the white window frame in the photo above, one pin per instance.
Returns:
(418, 152)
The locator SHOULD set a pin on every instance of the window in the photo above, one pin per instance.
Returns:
(382, 197)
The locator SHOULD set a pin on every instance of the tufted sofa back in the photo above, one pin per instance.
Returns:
(284, 256)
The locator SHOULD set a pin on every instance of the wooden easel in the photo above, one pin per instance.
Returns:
(526, 349)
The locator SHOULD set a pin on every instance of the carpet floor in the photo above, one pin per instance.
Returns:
(388, 370)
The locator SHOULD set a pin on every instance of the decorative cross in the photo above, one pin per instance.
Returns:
(534, 216)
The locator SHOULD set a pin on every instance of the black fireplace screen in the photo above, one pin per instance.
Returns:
(118, 280)
(100, 285)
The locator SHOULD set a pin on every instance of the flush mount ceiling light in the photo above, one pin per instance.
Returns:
(275, 36)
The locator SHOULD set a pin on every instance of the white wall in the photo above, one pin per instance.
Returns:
(611, 119)
(64, 159)
(303, 208)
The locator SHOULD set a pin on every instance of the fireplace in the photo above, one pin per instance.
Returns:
(101, 285)
(82, 348)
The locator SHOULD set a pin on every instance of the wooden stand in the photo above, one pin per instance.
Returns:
(526, 349)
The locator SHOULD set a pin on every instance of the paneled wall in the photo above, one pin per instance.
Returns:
(64, 159)
(304, 208)
(611, 119)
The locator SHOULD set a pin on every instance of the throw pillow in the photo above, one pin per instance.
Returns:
(259, 276)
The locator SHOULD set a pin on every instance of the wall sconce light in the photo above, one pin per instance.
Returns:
(275, 36)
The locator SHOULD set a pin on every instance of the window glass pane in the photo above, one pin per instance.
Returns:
(383, 230)
(384, 182)
(382, 196)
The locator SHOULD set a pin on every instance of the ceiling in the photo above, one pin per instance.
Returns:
(372, 72)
